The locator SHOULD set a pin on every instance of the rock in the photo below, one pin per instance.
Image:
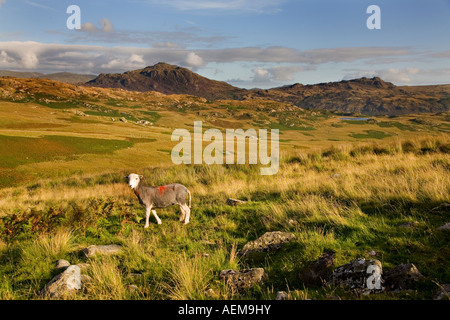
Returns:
(282, 295)
(64, 283)
(402, 277)
(144, 122)
(234, 202)
(365, 276)
(410, 224)
(445, 226)
(243, 279)
(443, 293)
(319, 270)
(62, 264)
(270, 241)
(132, 288)
(102, 250)
(123, 120)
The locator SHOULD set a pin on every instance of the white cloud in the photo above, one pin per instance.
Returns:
(107, 26)
(136, 58)
(260, 74)
(30, 60)
(193, 60)
(277, 73)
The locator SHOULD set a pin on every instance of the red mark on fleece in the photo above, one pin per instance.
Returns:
(161, 189)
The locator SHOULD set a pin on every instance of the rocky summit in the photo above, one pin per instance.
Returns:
(168, 79)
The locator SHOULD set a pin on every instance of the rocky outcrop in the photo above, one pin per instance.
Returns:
(234, 202)
(364, 276)
(243, 279)
(64, 284)
(402, 277)
(110, 249)
(270, 241)
(319, 270)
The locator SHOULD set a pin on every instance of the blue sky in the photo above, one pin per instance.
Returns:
(248, 43)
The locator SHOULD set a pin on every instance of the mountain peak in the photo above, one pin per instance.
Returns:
(168, 79)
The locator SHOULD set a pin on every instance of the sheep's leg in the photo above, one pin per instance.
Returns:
(187, 213)
(147, 216)
(156, 216)
(183, 213)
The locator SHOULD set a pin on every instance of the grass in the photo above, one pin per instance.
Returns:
(62, 189)
(357, 210)
(371, 134)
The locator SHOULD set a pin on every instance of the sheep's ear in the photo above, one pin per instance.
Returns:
(126, 177)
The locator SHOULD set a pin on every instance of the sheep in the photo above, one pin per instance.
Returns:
(160, 197)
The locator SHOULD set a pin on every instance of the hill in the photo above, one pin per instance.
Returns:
(168, 79)
(67, 77)
(361, 96)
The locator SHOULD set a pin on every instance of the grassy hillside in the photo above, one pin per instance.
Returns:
(342, 185)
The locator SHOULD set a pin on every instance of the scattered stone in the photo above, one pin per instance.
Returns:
(443, 293)
(282, 295)
(64, 283)
(445, 226)
(110, 249)
(123, 120)
(132, 287)
(410, 224)
(62, 264)
(372, 253)
(270, 241)
(364, 276)
(144, 122)
(319, 270)
(402, 277)
(234, 202)
(243, 279)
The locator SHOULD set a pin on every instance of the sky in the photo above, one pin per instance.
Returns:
(247, 43)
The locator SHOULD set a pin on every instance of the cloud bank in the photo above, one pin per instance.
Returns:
(265, 65)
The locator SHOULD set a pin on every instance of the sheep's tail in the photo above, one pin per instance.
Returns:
(189, 198)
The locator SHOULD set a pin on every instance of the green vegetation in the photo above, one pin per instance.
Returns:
(21, 150)
(371, 134)
(341, 185)
(349, 200)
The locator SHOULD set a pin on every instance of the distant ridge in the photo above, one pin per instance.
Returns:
(366, 96)
(370, 96)
(68, 77)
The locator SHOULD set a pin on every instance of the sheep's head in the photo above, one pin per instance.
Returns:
(133, 180)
